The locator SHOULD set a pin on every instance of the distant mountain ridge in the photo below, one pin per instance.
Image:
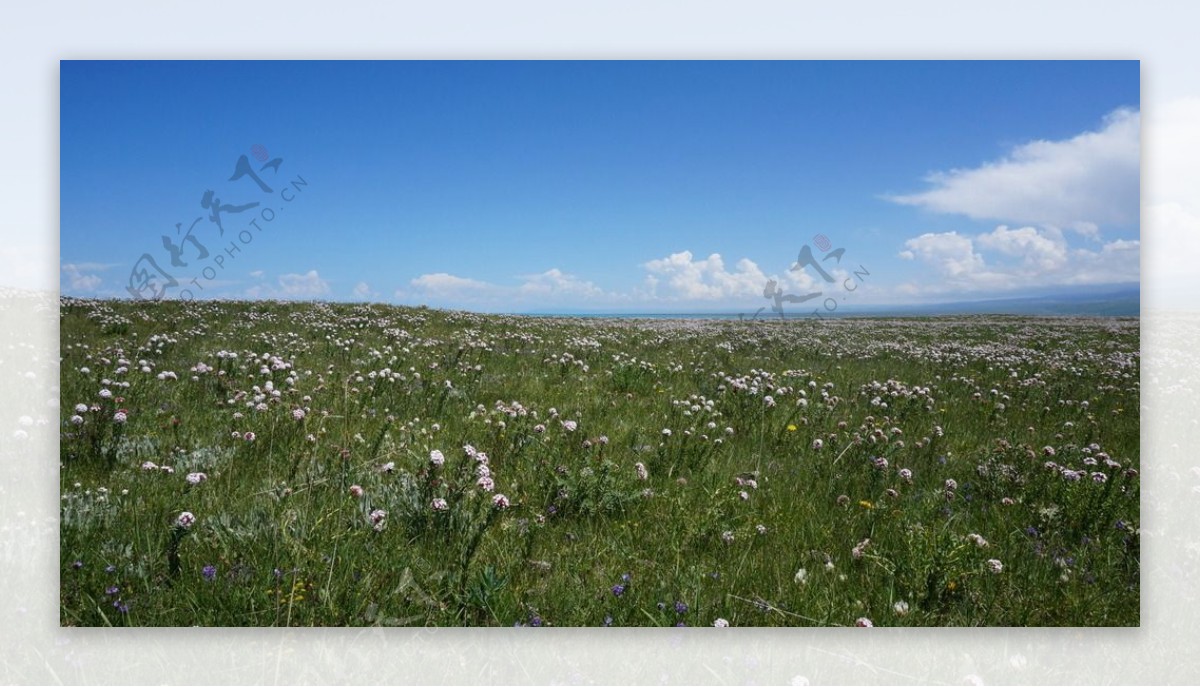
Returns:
(1124, 302)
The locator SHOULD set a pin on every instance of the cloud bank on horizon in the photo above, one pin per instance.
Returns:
(1055, 188)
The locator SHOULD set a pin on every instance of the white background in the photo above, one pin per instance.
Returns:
(35, 36)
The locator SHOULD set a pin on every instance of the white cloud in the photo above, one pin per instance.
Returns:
(362, 290)
(307, 285)
(1086, 229)
(442, 284)
(1005, 259)
(681, 277)
(91, 266)
(80, 277)
(704, 279)
(1116, 262)
(549, 288)
(85, 282)
(1055, 188)
(555, 282)
(1042, 251)
(292, 286)
(689, 279)
(953, 254)
(1088, 180)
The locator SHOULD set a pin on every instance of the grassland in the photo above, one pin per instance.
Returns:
(370, 465)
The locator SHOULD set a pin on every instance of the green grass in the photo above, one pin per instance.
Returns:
(737, 499)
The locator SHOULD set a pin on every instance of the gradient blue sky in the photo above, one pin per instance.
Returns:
(612, 186)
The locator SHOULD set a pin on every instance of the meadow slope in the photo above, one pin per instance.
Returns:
(274, 463)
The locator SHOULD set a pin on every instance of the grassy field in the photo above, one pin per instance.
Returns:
(334, 464)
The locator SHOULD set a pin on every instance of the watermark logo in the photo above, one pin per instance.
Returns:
(148, 280)
(773, 292)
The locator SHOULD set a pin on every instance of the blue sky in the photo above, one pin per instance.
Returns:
(609, 186)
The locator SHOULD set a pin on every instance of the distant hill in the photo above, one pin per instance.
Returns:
(1121, 302)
